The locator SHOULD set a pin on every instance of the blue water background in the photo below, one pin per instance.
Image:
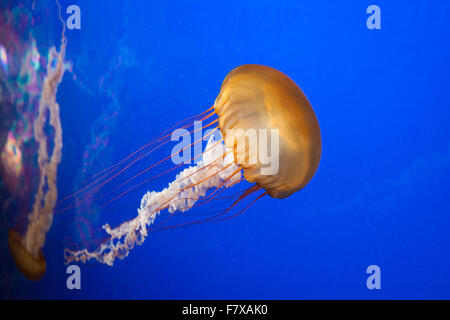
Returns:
(380, 195)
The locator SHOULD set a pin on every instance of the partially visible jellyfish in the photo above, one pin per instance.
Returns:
(26, 250)
(253, 98)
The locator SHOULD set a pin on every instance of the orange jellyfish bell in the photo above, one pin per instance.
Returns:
(32, 267)
(260, 97)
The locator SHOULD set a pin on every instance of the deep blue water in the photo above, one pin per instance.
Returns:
(380, 195)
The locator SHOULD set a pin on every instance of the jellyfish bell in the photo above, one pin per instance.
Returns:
(252, 98)
(32, 267)
(257, 96)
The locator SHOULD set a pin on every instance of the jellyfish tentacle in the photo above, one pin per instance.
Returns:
(98, 183)
(209, 198)
(243, 210)
(90, 193)
(161, 138)
(244, 195)
(124, 237)
(151, 178)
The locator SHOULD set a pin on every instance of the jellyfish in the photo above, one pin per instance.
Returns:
(253, 99)
(26, 249)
